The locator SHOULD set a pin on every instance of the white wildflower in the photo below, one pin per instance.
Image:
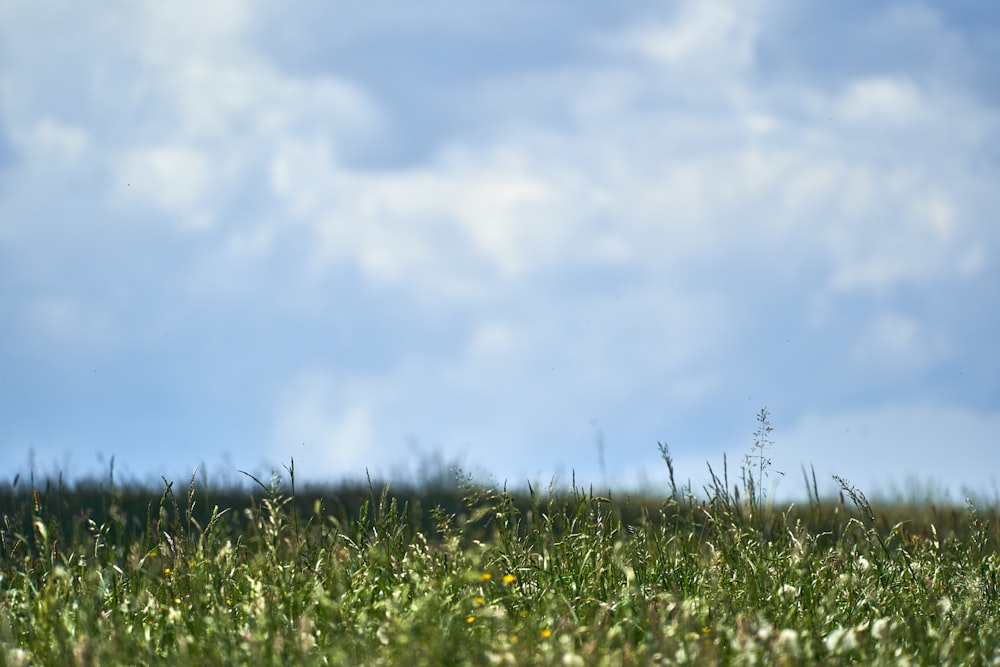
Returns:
(788, 591)
(880, 628)
(787, 642)
(841, 640)
(18, 656)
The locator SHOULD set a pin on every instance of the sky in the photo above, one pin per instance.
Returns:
(530, 239)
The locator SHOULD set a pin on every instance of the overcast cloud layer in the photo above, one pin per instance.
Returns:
(526, 236)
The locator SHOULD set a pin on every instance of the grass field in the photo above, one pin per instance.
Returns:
(474, 575)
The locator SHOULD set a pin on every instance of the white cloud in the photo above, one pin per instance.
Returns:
(973, 261)
(878, 273)
(491, 340)
(184, 31)
(706, 38)
(937, 213)
(330, 432)
(511, 206)
(446, 226)
(60, 142)
(884, 101)
(174, 177)
(180, 110)
(898, 342)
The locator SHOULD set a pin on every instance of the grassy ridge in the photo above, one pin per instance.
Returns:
(465, 574)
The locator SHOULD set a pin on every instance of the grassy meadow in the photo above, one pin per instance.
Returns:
(468, 574)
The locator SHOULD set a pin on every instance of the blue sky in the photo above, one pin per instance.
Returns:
(364, 236)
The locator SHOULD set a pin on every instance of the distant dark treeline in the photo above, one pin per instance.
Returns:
(132, 511)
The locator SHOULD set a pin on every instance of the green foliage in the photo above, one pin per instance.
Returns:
(563, 577)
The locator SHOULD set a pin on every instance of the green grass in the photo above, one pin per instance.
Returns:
(478, 575)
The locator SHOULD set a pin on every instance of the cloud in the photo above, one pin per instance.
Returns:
(893, 103)
(448, 226)
(173, 178)
(59, 142)
(179, 112)
(704, 40)
(331, 433)
(895, 341)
